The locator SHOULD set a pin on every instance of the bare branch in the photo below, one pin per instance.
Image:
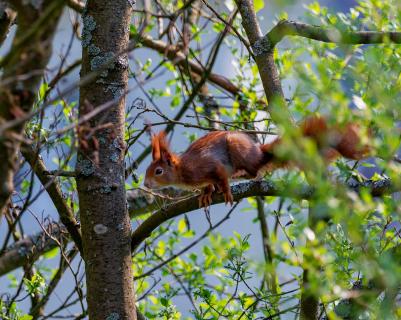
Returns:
(31, 51)
(37, 309)
(76, 5)
(240, 191)
(326, 34)
(7, 17)
(140, 202)
(60, 173)
(178, 57)
(29, 249)
(264, 59)
(55, 193)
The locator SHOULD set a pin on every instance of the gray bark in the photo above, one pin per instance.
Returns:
(105, 222)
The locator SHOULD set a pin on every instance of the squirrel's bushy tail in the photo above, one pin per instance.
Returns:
(269, 160)
(332, 142)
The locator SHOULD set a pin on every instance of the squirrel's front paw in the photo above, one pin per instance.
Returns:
(205, 200)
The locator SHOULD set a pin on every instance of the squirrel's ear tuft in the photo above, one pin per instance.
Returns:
(165, 154)
(163, 143)
(160, 147)
(155, 147)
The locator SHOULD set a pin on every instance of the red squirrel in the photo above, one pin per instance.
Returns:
(213, 159)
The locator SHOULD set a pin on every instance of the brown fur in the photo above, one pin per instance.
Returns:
(337, 140)
(213, 159)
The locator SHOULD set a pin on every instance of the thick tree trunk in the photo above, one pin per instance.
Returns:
(23, 70)
(102, 201)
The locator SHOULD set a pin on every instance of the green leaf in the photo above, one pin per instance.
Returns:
(164, 302)
(42, 90)
(51, 254)
(218, 26)
(181, 226)
(314, 7)
(258, 4)
(13, 280)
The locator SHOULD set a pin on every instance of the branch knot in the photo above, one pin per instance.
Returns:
(262, 46)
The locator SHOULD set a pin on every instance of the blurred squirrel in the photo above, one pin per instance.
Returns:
(213, 159)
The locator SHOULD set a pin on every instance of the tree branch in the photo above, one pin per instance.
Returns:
(7, 17)
(332, 35)
(264, 58)
(29, 249)
(245, 190)
(76, 5)
(270, 276)
(174, 54)
(140, 202)
(53, 189)
(309, 302)
(29, 55)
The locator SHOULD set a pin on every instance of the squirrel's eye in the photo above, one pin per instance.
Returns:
(159, 171)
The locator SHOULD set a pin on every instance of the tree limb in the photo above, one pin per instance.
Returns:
(240, 191)
(264, 58)
(53, 189)
(328, 34)
(309, 304)
(140, 202)
(76, 5)
(174, 54)
(28, 56)
(7, 17)
(29, 249)
(270, 276)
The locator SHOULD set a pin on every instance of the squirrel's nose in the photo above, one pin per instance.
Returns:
(147, 184)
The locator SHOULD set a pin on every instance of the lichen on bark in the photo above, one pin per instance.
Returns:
(100, 184)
